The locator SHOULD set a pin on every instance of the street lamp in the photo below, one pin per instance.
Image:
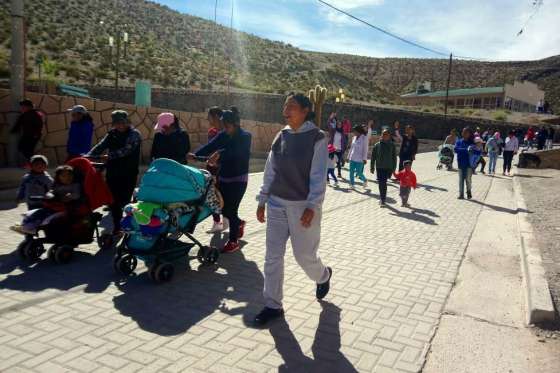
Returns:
(115, 42)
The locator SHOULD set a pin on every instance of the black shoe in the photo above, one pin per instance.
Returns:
(461, 197)
(323, 289)
(268, 314)
(469, 195)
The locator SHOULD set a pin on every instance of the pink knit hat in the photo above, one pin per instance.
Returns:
(164, 120)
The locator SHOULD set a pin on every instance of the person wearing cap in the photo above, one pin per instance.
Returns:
(37, 182)
(358, 155)
(122, 144)
(81, 131)
(170, 141)
(30, 126)
(232, 147)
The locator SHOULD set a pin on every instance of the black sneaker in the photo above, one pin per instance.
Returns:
(268, 314)
(461, 197)
(469, 195)
(323, 289)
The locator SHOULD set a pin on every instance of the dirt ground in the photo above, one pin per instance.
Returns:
(541, 191)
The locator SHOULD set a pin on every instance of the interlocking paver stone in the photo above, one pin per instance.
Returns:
(393, 270)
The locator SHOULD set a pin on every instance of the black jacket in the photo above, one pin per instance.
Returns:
(174, 146)
(409, 147)
(235, 152)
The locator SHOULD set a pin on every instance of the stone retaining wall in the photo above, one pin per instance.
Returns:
(55, 133)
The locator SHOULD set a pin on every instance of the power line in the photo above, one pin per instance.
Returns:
(384, 31)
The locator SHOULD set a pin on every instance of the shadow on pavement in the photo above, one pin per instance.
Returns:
(326, 345)
(173, 308)
(500, 208)
(415, 214)
(7, 205)
(533, 176)
(93, 271)
(431, 188)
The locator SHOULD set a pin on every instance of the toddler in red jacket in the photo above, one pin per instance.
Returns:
(407, 180)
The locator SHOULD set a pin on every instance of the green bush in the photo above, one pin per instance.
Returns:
(500, 115)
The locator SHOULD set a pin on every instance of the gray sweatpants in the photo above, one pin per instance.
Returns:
(283, 222)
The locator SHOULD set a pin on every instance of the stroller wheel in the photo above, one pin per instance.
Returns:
(163, 272)
(61, 254)
(125, 264)
(202, 254)
(212, 255)
(30, 249)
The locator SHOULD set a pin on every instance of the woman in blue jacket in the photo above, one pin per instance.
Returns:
(81, 131)
(232, 147)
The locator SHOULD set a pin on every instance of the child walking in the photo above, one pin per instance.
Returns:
(37, 182)
(463, 148)
(407, 179)
(384, 160)
(358, 155)
(64, 192)
(331, 165)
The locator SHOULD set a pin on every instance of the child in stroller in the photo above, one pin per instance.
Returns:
(445, 156)
(173, 199)
(67, 218)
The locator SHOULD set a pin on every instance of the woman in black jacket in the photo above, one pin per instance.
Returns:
(409, 147)
(170, 140)
(232, 147)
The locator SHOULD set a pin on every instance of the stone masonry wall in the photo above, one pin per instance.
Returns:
(55, 132)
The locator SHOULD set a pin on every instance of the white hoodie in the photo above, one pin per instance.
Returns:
(359, 149)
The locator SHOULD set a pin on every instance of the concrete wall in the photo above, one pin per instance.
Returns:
(268, 108)
(55, 133)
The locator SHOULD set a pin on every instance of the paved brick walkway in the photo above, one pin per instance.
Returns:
(393, 270)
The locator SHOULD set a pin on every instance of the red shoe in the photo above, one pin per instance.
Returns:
(231, 247)
(241, 231)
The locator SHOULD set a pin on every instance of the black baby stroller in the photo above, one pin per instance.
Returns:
(445, 156)
(173, 199)
(72, 226)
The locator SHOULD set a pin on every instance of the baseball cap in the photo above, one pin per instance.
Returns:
(39, 157)
(164, 120)
(78, 109)
(26, 102)
(119, 116)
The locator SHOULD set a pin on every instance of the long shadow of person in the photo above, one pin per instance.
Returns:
(327, 356)
(191, 296)
(430, 188)
(411, 216)
(85, 269)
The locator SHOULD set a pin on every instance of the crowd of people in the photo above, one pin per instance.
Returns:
(301, 163)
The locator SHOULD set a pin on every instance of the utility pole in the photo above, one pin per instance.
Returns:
(448, 81)
(17, 75)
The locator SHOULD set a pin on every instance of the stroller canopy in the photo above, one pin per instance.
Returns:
(96, 190)
(167, 181)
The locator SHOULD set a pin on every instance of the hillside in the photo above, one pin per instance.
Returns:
(176, 50)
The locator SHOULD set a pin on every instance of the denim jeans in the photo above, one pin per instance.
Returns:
(358, 169)
(492, 159)
(465, 177)
(330, 172)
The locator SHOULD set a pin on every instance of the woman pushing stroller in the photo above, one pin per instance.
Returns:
(232, 147)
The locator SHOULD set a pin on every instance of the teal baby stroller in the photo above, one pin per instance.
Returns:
(172, 200)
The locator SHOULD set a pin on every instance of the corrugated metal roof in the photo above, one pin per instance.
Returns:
(458, 92)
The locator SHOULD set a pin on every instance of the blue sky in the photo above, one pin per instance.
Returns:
(476, 28)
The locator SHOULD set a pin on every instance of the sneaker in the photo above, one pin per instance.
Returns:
(241, 231)
(461, 197)
(18, 228)
(469, 195)
(231, 247)
(218, 227)
(381, 203)
(407, 205)
(323, 289)
(267, 315)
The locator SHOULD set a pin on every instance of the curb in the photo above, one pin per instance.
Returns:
(537, 292)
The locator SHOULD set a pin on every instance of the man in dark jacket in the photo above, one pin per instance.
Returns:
(122, 144)
(384, 161)
(30, 126)
(409, 147)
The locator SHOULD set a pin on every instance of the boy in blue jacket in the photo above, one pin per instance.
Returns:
(463, 148)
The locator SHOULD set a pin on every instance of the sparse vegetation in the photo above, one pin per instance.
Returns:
(176, 50)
